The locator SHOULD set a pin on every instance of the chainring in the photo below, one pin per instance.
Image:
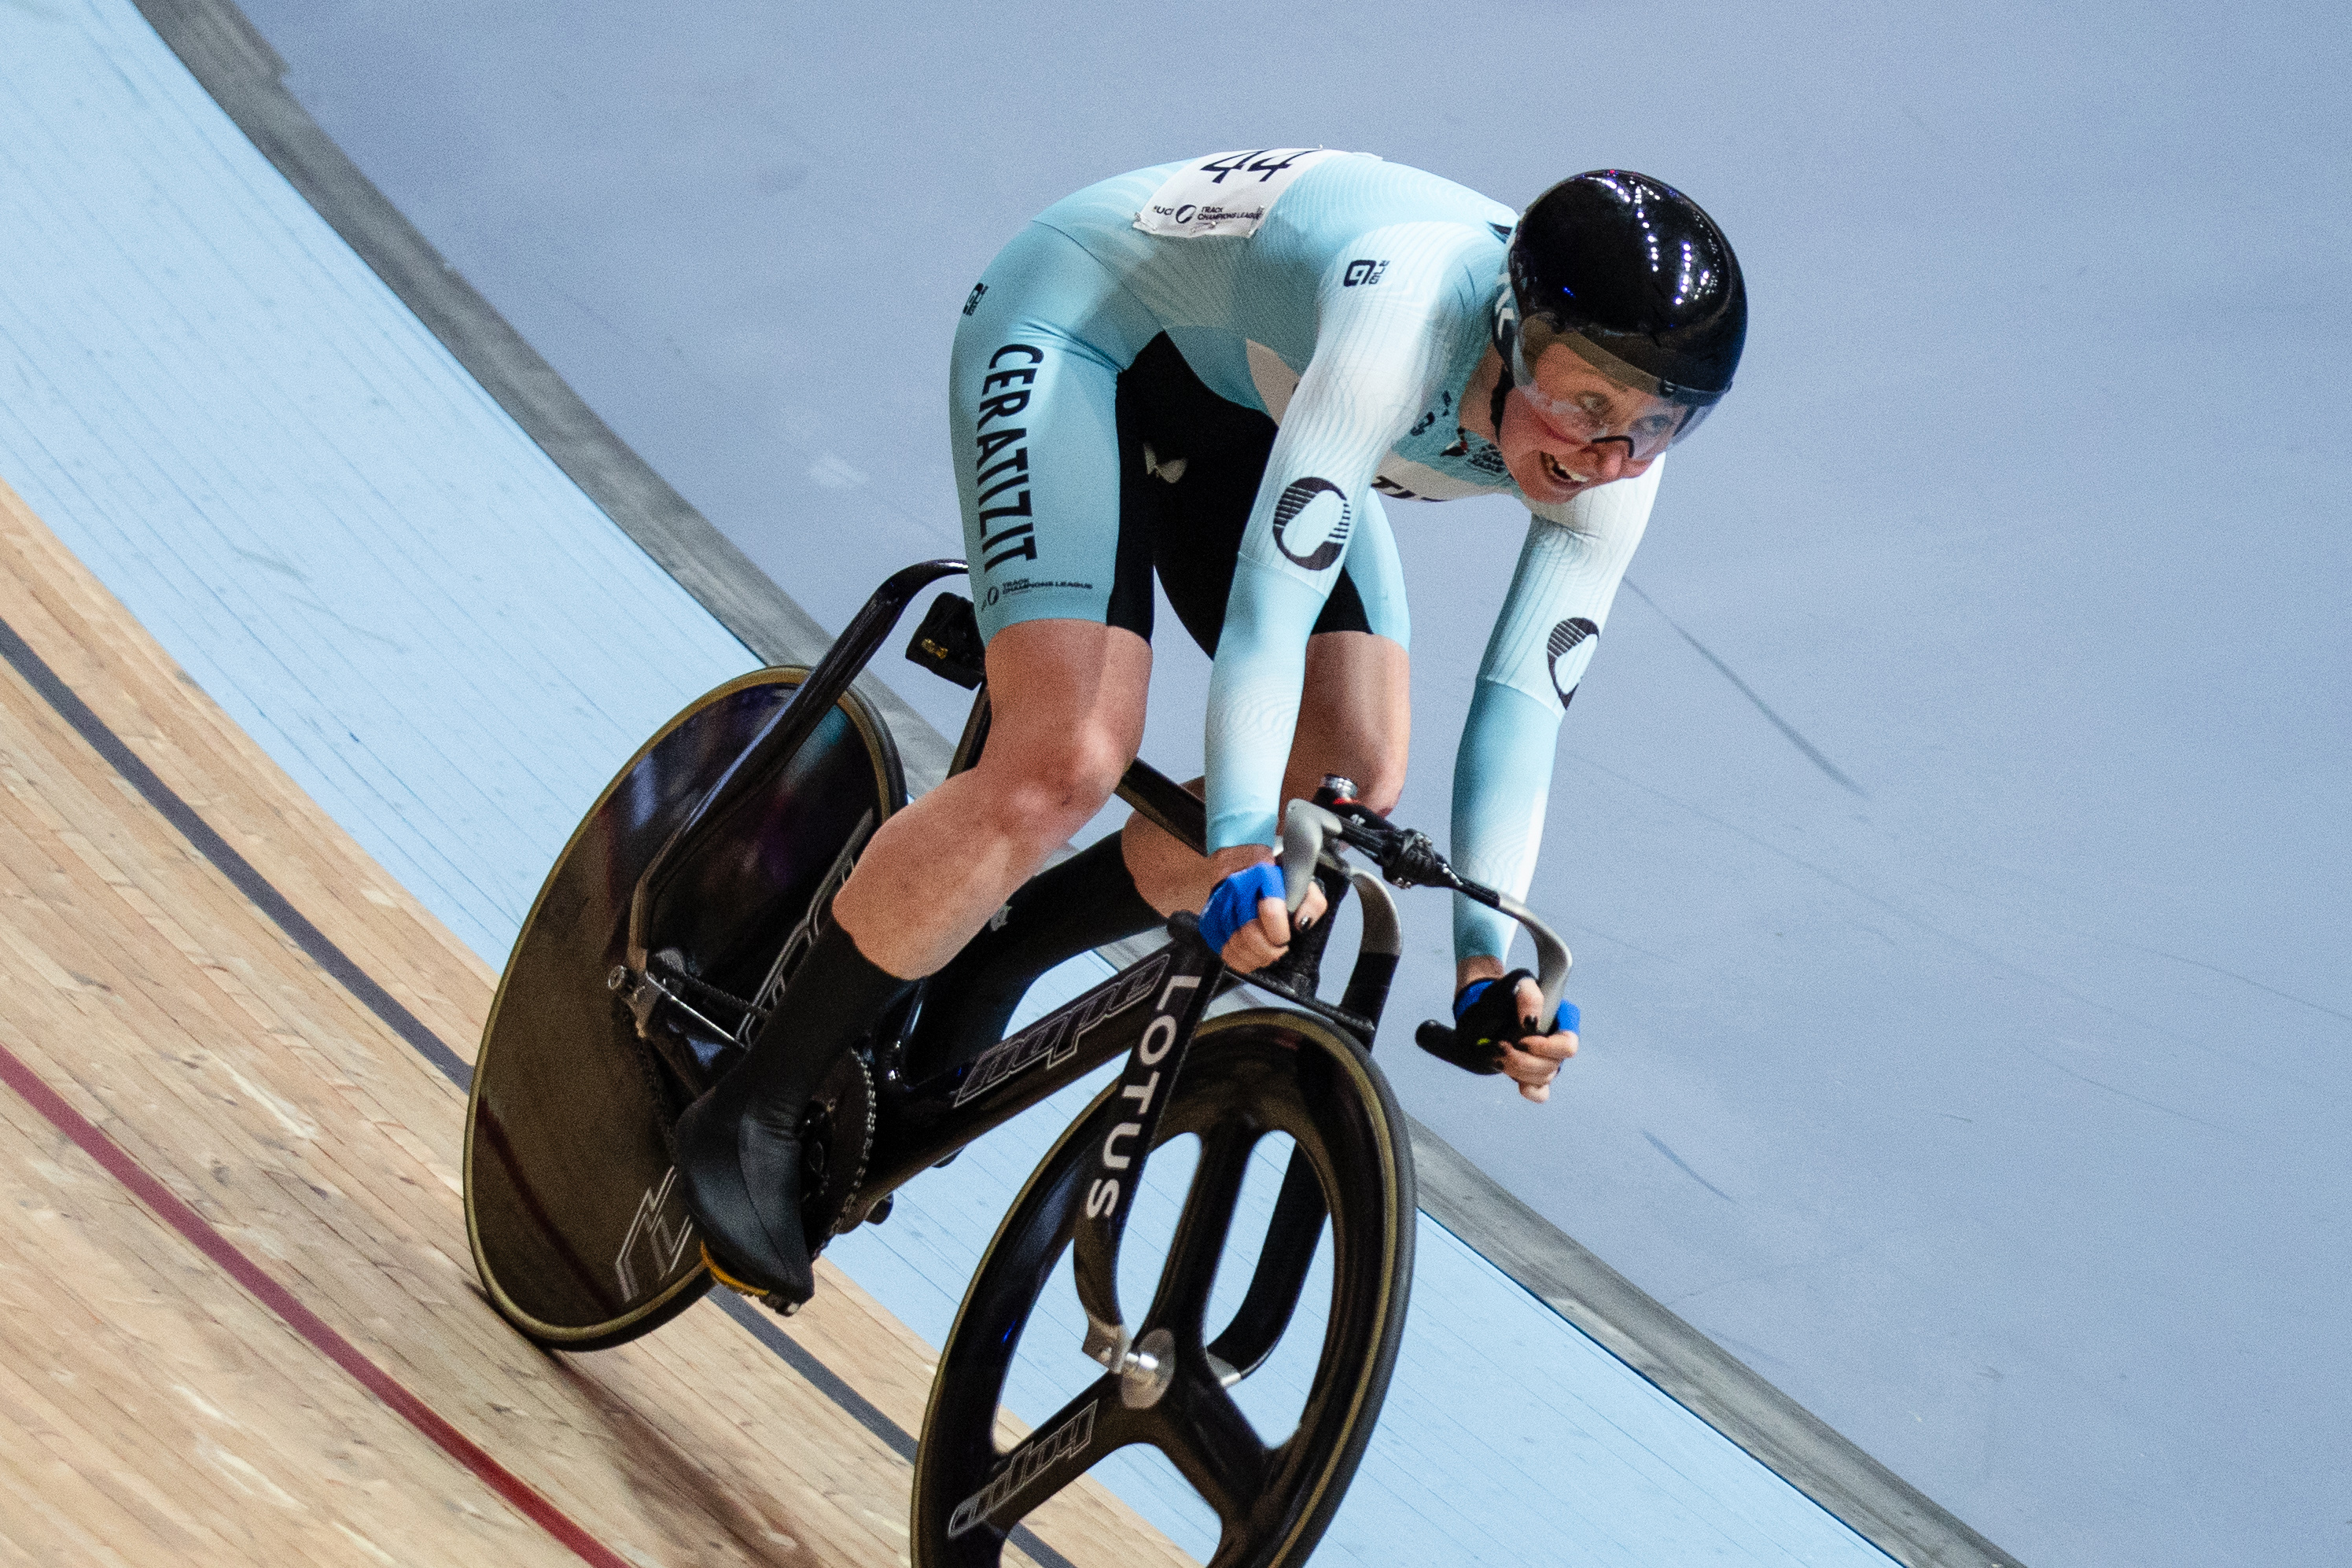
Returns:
(836, 1135)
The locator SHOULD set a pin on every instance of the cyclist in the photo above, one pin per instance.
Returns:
(1215, 370)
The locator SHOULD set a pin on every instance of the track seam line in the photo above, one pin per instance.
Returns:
(175, 1210)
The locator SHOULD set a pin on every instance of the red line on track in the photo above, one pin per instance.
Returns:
(175, 1212)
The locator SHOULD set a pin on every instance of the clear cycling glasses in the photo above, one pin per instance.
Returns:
(1617, 403)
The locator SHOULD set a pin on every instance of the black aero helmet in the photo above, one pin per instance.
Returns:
(1638, 281)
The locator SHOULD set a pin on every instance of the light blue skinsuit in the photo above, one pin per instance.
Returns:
(1353, 314)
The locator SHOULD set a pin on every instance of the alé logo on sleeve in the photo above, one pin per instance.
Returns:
(1565, 638)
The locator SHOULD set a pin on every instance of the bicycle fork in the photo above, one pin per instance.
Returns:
(1144, 1091)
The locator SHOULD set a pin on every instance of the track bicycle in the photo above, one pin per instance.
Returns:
(671, 924)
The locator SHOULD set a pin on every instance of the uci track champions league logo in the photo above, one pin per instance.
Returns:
(1312, 522)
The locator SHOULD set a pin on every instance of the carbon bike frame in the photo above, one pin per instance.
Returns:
(921, 1123)
(1147, 1011)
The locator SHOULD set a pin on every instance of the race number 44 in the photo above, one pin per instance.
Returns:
(1227, 194)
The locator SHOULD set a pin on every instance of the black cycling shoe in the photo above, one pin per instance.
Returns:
(739, 1146)
(739, 1165)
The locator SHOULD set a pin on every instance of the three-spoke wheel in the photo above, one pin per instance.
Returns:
(1248, 1076)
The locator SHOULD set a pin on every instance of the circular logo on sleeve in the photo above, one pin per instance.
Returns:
(1312, 522)
(1564, 636)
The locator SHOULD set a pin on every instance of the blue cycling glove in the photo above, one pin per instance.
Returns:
(1234, 904)
(1498, 1019)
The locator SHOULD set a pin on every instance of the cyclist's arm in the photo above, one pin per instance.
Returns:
(1567, 578)
(1377, 348)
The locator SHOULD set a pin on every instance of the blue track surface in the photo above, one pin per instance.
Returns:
(292, 485)
(357, 553)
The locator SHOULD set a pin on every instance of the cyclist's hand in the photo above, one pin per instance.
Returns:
(1485, 1010)
(1247, 922)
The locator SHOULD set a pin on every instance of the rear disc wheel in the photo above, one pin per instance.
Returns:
(578, 1228)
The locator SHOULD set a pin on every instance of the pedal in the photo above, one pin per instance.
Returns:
(949, 643)
(773, 1302)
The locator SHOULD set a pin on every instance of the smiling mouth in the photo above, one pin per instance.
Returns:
(1560, 473)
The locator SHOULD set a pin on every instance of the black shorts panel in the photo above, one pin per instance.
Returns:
(1189, 531)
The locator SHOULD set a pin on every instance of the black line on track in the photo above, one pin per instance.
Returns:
(232, 865)
(321, 949)
(833, 1387)
(1813, 754)
(829, 1383)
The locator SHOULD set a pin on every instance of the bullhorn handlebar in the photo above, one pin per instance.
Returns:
(1314, 830)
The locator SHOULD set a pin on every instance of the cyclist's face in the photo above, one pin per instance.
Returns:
(1576, 428)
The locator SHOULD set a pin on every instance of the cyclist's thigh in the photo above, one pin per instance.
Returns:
(1033, 396)
(1355, 717)
(1067, 700)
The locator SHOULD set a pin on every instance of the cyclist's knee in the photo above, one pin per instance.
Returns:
(1374, 765)
(1048, 792)
(1073, 785)
(1384, 785)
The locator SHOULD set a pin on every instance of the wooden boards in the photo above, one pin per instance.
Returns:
(151, 1409)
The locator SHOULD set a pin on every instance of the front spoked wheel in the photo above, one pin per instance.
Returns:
(1248, 1076)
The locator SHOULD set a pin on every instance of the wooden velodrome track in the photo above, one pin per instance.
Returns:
(257, 1125)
